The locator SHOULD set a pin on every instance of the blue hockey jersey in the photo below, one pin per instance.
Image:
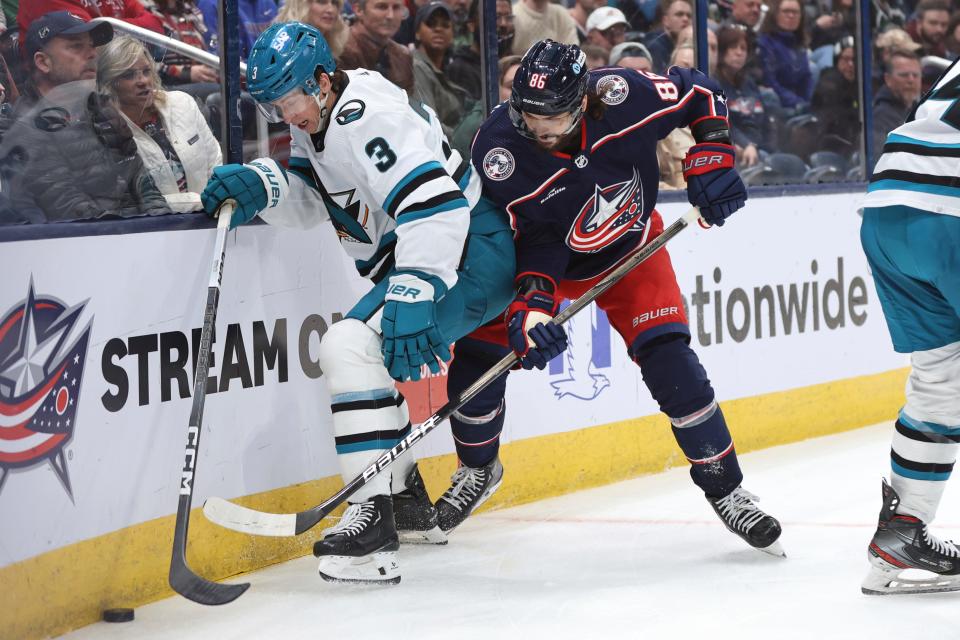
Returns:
(575, 216)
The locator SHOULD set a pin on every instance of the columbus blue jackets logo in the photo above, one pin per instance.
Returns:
(42, 352)
(498, 164)
(611, 212)
(612, 89)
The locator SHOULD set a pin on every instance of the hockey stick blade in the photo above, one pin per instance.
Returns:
(238, 518)
(181, 578)
(202, 591)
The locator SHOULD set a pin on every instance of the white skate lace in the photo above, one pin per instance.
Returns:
(943, 547)
(353, 521)
(739, 511)
(467, 484)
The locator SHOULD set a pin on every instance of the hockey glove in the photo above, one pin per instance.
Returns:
(532, 336)
(246, 184)
(411, 337)
(713, 184)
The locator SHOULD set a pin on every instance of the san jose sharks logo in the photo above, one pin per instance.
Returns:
(604, 218)
(576, 372)
(42, 352)
(349, 216)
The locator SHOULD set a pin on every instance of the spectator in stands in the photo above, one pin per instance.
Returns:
(434, 36)
(641, 14)
(952, 41)
(172, 136)
(930, 27)
(182, 21)
(896, 98)
(747, 114)
(580, 11)
(371, 45)
(687, 36)
(673, 149)
(677, 14)
(464, 68)
(828, 29)
(631, 55)
(886, 44)
(460, 11)
(535, 20)
(77, 157)
(255, 17)
(836, 98)
(127, 10)
(325, 15)
(745, 13)
(405, 34)
(596, 56)
(783, 54)
(606, 27)
(463, 135)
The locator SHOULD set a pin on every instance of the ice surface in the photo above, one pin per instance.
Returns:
(645, 558)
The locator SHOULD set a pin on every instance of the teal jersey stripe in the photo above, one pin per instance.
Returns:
(928, 427)
(465, 180)
(896, 137)
(373, 445)
(354, 396)
(410, 177)
(426, 213)
(302, 169)
(902, 185)
(918, 475)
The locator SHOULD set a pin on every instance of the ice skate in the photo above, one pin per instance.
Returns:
(744, 518)
(414, 514)
(363, 546)
(904, 543)
(470, 488)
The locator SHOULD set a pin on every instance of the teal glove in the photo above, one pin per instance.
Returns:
(247, 184)
(409, 325)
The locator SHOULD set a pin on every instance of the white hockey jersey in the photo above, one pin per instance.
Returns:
(385, 176)
(920, 165)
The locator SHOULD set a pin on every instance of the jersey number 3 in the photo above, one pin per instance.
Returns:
(379, 149)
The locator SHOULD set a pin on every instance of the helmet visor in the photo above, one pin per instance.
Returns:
(287, 106)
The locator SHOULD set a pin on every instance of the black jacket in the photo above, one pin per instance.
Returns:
(888, 114)
(77, 160)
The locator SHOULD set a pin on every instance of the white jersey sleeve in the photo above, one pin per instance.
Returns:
(301, 205)
(396, 156)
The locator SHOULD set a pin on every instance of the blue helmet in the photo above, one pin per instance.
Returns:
(285, 57)
(551, 79)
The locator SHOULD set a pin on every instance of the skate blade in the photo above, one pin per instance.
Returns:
(380, 567)
(885, 579)
(431, 536)
(774, 549)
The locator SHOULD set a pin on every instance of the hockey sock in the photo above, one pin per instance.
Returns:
(679, 384)
(369, 414)
(477, 438)
(707, 444)
(477, 425)
(921, 458)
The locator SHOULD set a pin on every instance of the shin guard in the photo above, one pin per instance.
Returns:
(476, 425)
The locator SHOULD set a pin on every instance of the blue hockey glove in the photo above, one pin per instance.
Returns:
(713, 183)
(411, 336)
(247, 184)
(532, 336)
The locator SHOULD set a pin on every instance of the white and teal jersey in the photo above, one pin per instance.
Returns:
(920, 165)
(385, 176)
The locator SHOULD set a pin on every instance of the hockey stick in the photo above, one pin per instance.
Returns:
(233, 516)
(183, 580)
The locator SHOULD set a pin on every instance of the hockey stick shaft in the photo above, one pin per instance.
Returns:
(246, 520)
(182, 579)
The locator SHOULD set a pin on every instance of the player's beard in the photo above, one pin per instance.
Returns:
(558, 143)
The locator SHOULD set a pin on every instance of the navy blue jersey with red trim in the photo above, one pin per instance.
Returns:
(577, 215)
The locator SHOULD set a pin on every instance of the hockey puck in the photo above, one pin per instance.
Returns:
(118, 615)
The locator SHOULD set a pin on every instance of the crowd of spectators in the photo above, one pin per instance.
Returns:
(94, 124)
